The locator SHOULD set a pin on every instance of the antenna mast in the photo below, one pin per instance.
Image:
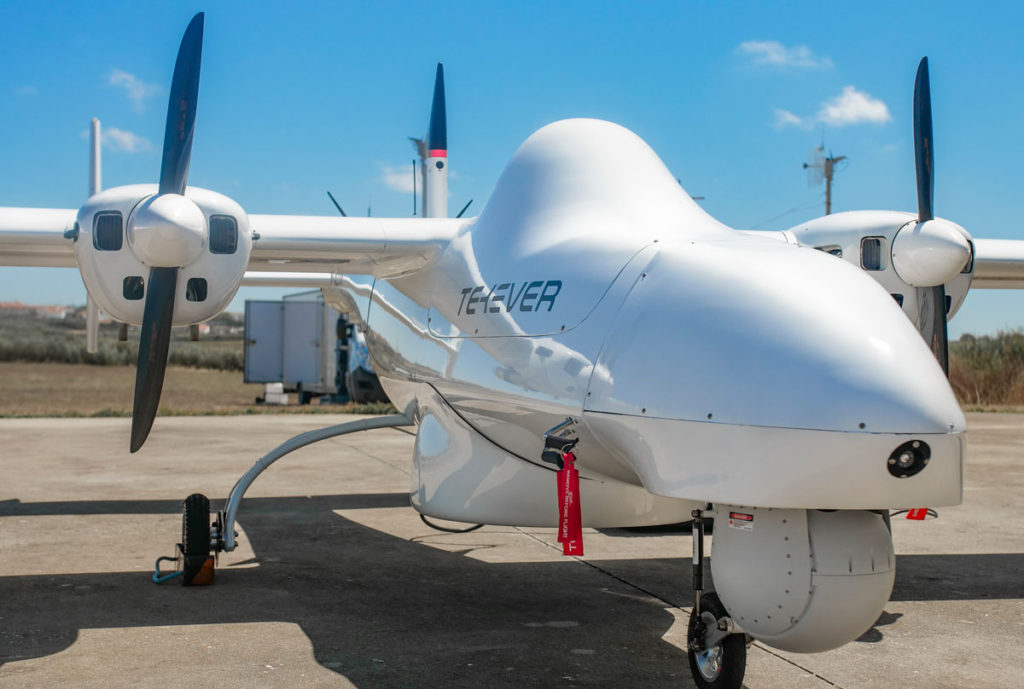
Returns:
(820, 167)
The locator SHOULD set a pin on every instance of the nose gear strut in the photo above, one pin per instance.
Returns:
(201, 542)
(716, 647)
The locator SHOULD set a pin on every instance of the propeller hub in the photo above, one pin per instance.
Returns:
(167, 231)
(930, 253)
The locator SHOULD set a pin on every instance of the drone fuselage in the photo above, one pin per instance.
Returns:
(782, 377)
(700, 365)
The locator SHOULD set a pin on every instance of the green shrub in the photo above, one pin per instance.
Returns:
(988, 369)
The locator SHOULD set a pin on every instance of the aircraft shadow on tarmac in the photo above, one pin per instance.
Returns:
(434, 618)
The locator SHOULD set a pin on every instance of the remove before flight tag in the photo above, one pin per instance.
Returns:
(570, 524)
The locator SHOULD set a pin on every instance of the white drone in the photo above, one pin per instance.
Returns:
(775, 381)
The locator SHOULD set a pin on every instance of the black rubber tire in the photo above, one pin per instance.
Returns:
(195, 536)
(364, 387)
(734, 650)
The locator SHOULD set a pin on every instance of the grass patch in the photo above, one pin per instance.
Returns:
(84, 391)
(259, 409)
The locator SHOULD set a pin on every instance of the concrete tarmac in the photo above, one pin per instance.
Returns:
(337, 582)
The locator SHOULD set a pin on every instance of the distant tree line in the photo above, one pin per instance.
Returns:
(28, 337)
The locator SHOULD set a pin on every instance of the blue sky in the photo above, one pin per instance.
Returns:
(298, 99)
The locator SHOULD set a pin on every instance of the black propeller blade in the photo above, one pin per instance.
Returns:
(159, 310)
(437, 137)
(337, 205)
(923, 153)
(932, 315)
(153, 346)
(933, 322)
(181, 110)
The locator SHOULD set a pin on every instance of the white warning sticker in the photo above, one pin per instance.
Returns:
(741, 521)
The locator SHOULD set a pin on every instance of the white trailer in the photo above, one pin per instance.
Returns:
(309, 348)
(295, 342)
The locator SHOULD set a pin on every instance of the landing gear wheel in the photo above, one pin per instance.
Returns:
(196, 560)
(723, 665)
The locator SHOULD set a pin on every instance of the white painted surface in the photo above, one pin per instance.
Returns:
(930, 253)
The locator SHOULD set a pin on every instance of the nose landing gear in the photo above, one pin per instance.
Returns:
(716, 647)
(196, 547)
(194, 561)
(717, 654)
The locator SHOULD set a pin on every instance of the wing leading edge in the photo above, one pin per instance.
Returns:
(382, 247)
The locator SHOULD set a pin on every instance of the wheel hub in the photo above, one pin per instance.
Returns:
(709, 662)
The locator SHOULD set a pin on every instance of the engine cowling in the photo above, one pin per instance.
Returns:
(802, 580)
(901, 254)
(123, 232)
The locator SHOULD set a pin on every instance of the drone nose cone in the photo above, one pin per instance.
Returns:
(167, 231)
(771, 335)
(930, 253)
(787, 378)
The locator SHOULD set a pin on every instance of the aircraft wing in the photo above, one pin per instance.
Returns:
(35, 237)
(383, 247)
(998, 264)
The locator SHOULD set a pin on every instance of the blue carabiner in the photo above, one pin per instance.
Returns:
(161, 578)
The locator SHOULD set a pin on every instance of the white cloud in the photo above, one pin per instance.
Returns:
(27, 90)
(774, 54)
(784, 118)
(136, 89)
(849, 107)
(124, 141)
(399, 177)
(853, 107)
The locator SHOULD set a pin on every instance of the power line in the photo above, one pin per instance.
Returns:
(783, 215)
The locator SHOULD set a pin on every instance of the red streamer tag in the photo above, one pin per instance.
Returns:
(570, 524)
(917, 513)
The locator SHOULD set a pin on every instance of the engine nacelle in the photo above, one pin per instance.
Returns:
(114, 256)
(870, 240)
(802, 580)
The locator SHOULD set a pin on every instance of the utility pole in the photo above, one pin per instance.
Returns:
(819, 166)
(830, 167)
